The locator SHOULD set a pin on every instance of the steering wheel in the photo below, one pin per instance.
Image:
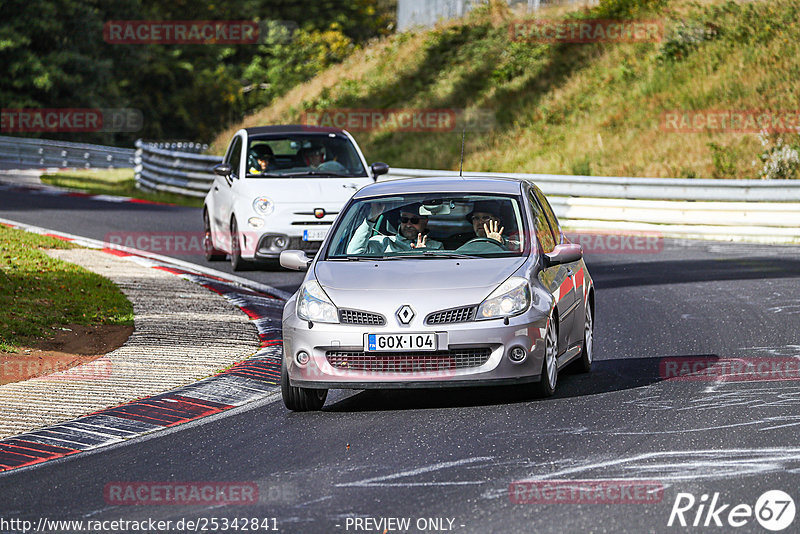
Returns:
(333, 166)
(469, 245)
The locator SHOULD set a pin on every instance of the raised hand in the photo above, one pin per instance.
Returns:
(492, 232)
(422, 241)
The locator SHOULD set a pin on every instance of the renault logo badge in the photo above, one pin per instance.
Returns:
(405, 314)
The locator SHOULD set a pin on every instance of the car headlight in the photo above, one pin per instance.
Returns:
(314, 305)
(512, 297)
(263, 205)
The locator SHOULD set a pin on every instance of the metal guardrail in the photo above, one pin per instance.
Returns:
(48, 153)
(174, 168)
(753, 210)
(766, 211)
(644, 188)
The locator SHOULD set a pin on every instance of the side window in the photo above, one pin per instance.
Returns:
(548, 213)
(543, 232)
(234, 155)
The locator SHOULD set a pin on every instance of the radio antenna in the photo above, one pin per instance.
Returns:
(461, 165)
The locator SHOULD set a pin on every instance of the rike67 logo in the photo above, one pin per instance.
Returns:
(774, 510)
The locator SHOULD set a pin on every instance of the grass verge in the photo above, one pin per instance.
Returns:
(117, 182)
(39, 294)
(572, 108)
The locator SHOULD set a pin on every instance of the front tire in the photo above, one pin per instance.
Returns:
(300, 399)
(237, 262)
(211, 253)
(549, 375)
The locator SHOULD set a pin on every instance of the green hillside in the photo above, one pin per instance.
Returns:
(575, 108)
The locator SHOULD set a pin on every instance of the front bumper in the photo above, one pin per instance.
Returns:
(324, 341)
(267, 250)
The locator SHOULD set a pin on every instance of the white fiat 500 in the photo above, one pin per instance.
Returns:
(279, 188)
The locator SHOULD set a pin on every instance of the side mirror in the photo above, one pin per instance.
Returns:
(563, 254)
(222, 169)
(378, 168)
(295, 260)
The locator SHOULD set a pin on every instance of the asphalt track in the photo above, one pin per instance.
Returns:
(453, 454)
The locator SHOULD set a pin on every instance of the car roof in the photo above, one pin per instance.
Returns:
(443, 184)
(292, 129)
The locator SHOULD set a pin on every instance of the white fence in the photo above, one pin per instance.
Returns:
(751, 210)
(426, 13)
(28, 152)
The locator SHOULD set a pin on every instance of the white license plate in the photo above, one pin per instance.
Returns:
(315, 235)
(399, 342)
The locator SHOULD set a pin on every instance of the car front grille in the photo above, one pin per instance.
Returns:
(297, 243)
(361, 318)
(408, 362)
(456, 315)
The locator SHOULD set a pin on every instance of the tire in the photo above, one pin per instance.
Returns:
(237, 262)
(211, 253)
(548, 380)
(300, 399)
(584, 363)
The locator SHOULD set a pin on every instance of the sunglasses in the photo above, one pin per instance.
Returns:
(412, 220)
(482, 218)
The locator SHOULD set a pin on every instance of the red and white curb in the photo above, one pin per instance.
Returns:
(253, 379)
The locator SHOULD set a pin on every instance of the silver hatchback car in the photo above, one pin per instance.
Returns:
(437, 282)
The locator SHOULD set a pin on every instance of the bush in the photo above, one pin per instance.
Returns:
(780, 160)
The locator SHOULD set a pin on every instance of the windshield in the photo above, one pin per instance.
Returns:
(433, 225)
(301, 155)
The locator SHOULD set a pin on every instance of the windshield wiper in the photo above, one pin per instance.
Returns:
(316, 173)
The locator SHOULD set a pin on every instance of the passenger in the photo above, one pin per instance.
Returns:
(260, 159)
(411, 233)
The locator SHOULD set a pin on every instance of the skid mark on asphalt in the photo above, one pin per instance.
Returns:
(389, 480)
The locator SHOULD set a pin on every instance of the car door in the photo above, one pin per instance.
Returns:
(558, 279)
(223, 190)
(575, 271)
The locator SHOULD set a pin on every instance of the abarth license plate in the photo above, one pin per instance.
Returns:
(314, 235)
(400, 342)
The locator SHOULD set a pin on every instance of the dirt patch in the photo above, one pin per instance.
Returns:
(73, 345)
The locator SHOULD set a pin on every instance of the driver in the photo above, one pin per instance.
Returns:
(313, 156)
(487, 220)
(411, 233)
(260, 158)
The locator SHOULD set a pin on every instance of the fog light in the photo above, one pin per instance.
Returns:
(302, 357)
(517, 355)
(280, 242)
